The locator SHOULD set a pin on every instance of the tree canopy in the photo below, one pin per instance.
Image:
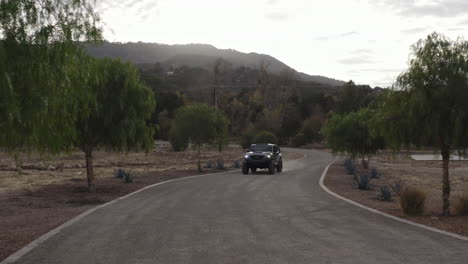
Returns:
(200, 124)
(428, 105)
(352, 133)
(42, 71)
(120, 111)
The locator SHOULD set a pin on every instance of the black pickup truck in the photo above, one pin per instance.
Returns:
(263, 156)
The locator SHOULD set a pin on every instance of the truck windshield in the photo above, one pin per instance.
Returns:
(261, 148)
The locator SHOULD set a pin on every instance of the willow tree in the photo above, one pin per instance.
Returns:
(41, 73)
(120, 112)
(428, 105)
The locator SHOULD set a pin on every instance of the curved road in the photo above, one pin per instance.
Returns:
(235, 218)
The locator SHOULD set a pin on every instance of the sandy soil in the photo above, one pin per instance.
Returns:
(48, 192)
(426, 175)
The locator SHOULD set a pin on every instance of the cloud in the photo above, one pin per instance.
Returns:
(414, 30)
(141, 8)
(277, 16)
(357, 59)
(272, 2)
(342, 35)
(436, 8)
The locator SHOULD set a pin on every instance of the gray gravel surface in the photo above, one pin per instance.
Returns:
(235, 218)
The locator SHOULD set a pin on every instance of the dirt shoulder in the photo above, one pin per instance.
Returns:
(49, 192)
(425, 175)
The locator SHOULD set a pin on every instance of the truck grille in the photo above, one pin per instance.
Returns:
(256, 157)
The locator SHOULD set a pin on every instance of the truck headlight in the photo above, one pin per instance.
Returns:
(268, 156)
(246, 156)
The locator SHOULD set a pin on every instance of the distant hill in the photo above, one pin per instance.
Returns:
(196, 55)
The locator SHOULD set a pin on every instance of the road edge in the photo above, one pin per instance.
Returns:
(401, 220)
(26, 249)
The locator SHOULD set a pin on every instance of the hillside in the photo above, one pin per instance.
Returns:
(196, 55)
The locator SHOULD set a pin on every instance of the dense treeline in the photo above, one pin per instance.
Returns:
(254, 100)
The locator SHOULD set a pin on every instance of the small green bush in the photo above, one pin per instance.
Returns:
(385, 194)
(247, 138)
(265, 137)
(209, 164)
(412, 201)
(349, 167)
(299, 140)
(220, 164)
(363, 181)
(178, 143)
(398, 187)
(374, 173)
(237, 164)
(128, 176)
(119, 173)
(461, 205)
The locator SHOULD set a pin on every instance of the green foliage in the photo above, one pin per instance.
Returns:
(121, 107)
(354, 97)
(209, 164)
(384, 194)
(119, 173)
(128, 176)
(265, 137)
(349, 167)
(178, 141)
(247, 138)
(374, 173)
(237, 164)
(351, 134)
(398, 187)
(200, 124)
(41, 71)
(427, 106)
(412, 201)
(220, 164)
(461, 205)
(363, 181)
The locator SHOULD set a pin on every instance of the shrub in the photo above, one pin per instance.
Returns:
(363, 181)
(178, 143)
(412, 201)
(374, 173)
(119, 173)
(220, 164)
(247, 138)
(126, 176)
(385, 194)
(461, 205)
(349, 167)
(398, 187)
(265, 137)
(299, 140)
(237, 164)
(209, 164)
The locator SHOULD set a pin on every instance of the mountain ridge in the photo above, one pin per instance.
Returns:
(196, 55)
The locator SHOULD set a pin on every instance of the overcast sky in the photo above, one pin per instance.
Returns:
(365, 41)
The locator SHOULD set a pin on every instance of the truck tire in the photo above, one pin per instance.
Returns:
(279, 167)
(271, 168)
(253, 170)
(245, 169)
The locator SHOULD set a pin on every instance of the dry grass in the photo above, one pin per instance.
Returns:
(425, 175)
(37, 199)
(412, 201)
(461, 205)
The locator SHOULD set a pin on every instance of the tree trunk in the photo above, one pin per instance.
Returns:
(89, 171)
(445, 182)
(199, 159)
